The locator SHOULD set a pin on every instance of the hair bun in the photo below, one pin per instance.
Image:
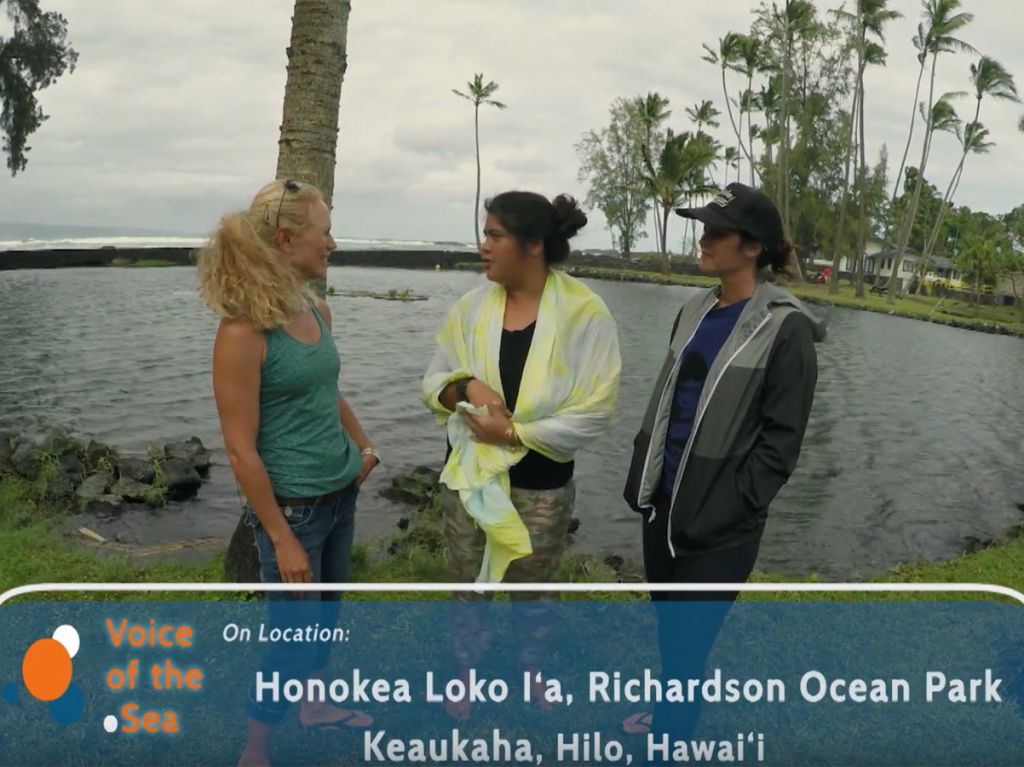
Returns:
(569, 218)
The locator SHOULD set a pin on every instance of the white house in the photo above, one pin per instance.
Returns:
(880, 265)
(846, 263)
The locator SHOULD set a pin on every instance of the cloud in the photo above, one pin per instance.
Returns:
(172, 116)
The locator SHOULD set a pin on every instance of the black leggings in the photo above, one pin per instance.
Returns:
(732, 565)
(685, 640)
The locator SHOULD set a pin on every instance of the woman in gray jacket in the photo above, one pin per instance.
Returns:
(725, 423)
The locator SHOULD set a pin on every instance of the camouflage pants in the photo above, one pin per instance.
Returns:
(546, 514)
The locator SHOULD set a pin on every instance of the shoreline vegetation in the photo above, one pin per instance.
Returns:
(1001, 320)
(37, 545)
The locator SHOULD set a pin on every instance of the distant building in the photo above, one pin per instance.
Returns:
(879, 265)
(847, 265)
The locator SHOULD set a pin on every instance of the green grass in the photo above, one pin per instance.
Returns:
(915, 307)
(923, 307)
(34, 550)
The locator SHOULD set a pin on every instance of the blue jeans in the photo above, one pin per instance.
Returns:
(325, 531)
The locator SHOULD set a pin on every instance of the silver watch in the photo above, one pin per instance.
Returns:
(371, 451)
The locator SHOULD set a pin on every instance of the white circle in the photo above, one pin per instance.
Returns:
(110, 723)
(68, 636)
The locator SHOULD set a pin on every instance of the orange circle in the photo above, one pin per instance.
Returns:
(46, 669)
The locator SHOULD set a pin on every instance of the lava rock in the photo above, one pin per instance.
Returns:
(58, 443)
(615, 562)
(137, 469)
(193, 452)
(97, 452)
(973, 544)
(181, 478)
(71, 466)
(62, 488)
(104, 506)
(94, 487)
(6, 451)
(25, 459)
(130, 490)
(415, 488)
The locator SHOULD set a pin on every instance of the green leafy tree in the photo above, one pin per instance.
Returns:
(612, 164)
(680, 172)
(32, 58)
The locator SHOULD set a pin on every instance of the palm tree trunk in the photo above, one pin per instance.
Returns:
(306, 152)
(862, 220)
(950, 190)
(910, 137)
(933, 238)
(787, 62)
(837, 254)
(316, 67)
(665, 266)
(476, 203)
(654, 197)
(732, 120)
(750, 126)
(911, 213)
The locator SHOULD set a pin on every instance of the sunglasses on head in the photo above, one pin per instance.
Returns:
(289, 186)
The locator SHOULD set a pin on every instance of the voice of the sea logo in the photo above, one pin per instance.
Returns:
(46, 671)
(46, 674)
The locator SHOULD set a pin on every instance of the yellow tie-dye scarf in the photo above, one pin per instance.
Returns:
(566, 399)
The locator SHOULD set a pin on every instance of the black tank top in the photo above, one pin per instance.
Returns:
(534, 472)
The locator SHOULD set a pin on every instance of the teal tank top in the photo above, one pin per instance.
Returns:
(303, 446)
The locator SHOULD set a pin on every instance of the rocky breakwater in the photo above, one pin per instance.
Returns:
(93, 478)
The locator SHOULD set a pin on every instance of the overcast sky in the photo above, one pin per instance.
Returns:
(172, 115)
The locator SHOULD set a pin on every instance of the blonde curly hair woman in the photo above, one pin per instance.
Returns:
(296, 448)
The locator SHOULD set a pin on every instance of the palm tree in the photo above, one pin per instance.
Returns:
(974, 140)
(731, 158)
(704, 113)
(653, 111)
(785, 25)
(944, 21)
(944, 119)
(726, 57)
(920, 44)
(874, 54)
(306, 152)
(309, 124)
(747, 63)
(989, 78)
(768, 100)
(870, 18)
(479, 93)
(681, 172)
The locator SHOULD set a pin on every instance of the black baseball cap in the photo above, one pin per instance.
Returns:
(741, 208)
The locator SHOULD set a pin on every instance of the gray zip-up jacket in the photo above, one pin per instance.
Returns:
(748, 428)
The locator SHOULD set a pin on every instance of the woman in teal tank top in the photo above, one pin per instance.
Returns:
(296, 447)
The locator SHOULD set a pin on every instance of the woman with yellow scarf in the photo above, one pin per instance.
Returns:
(526, 372)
